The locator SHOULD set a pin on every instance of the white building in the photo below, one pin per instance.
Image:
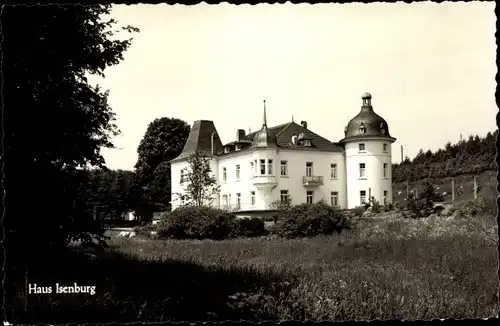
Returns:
(291, 162)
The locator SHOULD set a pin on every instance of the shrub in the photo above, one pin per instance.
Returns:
(359, 210)
(248, 227)
(307, 220)
(430, 193)
(145, 230)
(197, 223)
(473, 208)
(389, 207)
(416, 208)
(375, 205)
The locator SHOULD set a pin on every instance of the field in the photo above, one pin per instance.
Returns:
(385, 268)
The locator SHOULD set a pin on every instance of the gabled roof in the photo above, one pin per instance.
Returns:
(284, 133)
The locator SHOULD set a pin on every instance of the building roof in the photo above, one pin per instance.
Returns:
(366, 123)
(200, 139)
(285, 132)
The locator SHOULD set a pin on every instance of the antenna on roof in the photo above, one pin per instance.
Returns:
(292, 117)
(265, 119)
(249, 131)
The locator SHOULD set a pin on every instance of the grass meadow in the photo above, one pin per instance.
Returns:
(384, 268)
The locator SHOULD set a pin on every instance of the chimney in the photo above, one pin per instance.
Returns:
(212, 140)
(240, 134)
(304, 124)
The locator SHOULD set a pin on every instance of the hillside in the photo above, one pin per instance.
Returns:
(462, 161)
(474, 155)
(486, 182)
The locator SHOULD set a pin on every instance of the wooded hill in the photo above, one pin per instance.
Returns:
(472, 156)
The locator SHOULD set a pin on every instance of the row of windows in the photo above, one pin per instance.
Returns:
(362, 197)
(284, 170)
(260, 169)
(284, 198)
(362, 147)
(362, 170)
(226, 199)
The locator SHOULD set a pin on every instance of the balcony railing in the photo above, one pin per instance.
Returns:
(264, 181)
(312, 180)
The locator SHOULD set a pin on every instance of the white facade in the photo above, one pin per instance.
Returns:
(292, 173)
(369, 171)
(344, 174)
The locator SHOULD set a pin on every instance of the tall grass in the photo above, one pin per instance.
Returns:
(384, 268)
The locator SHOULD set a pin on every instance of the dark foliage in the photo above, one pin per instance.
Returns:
(163, 141)
(474, 155)
(248, 227)
(129, 290)
(308, 220)
(197, 222)
(55, 123)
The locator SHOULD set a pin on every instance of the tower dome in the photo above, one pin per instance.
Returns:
(264, 137)
(366, 123)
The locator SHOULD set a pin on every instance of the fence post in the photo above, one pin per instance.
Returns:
(452, 189)
(475, 188)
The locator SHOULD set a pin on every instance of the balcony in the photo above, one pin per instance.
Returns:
(312, 181)
(265, 181)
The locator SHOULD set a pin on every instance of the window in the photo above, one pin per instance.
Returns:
(252, 171)
(182, 176)
(226, 149)
(255, 167)
(307, 143)
(362, 170)
(362, 197)
(252, 197)
(385, 147)
(284, 168)
(333, 171)
(270, 167)
(385, 170)
(238, 200)
(262, 167)
(309, 169)
(284, 196)
(309, 197)
(362, 129)
(238, 147)
(229, 202)
(238, 172)
(385, 197)
(224, 174)
(224, 200)
(361, 147)
(334, 198)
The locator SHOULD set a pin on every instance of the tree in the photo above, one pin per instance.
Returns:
(200, 185)
(119, 195)
(163, 141)
(55, 123)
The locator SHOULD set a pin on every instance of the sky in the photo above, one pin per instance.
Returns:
(429, 67)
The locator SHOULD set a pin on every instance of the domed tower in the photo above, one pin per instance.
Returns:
(367, 143)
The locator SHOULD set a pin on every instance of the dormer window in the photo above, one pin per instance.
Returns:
(307, 143)
(238, 147)
(382, 128)
(226, 149)
(362, 128)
